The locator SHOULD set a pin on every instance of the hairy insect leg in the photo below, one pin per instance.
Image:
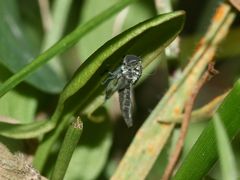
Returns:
(112, 75)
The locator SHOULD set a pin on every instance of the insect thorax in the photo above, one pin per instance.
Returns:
(131, 68)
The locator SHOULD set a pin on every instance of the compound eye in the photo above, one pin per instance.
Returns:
(131, 59)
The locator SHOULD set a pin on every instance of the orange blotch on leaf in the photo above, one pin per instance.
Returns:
(219, 13)
(151, 149)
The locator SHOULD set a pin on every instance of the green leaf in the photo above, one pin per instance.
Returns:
(228, 165)
(18, 107)
(60, 11)
(138, 12)
(25, 131)
(91, 155)
(49, 139)
(204, 153)
(90, 42)
(17, 112)
(146, 40)
(68, 146)
(60, 47)
(58, 16)
(17, 49)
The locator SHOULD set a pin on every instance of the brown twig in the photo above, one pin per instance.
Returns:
(187, 116)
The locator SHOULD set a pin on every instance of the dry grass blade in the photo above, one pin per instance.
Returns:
(201, 114)
(186, 120)
(152, 136)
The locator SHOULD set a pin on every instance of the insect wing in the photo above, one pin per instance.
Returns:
(111, 88)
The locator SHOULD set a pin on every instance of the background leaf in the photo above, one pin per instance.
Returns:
(25, 131)
(86, 84)
(61, 46)
(95, 27)
(228, 165)
(14, 34)
(140, 40)
(204, 153)
(19, 107)
(94, 39)
(90, 43)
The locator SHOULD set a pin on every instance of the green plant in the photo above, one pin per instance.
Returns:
(46, 86)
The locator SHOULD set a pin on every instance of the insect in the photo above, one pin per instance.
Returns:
(122, 80)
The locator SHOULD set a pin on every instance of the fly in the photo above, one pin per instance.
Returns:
(122, 80)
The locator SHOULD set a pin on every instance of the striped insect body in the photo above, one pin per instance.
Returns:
(122, 80)
(125, 100)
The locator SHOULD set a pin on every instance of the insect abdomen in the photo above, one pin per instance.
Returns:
(126, 105)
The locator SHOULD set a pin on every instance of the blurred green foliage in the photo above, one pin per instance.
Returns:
(105, 137)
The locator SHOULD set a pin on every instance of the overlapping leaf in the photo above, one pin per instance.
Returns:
(204, 153)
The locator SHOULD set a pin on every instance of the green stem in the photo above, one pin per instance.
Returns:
(69, 144)
(46, 144)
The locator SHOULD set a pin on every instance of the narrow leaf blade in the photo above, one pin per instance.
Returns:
(204, 153)
(226, 156)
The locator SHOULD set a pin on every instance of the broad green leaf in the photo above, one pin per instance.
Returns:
(18, 106)
(204, 153)
(135, 13)
(99, 35)
(91, 155)
(146, 40)
(17, 112)
(138, 12)
(228, 165)
(60, 47)
(17, 49)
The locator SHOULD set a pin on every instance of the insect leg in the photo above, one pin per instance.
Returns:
(112, 75)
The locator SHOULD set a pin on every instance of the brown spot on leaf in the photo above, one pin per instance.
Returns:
(219, 13)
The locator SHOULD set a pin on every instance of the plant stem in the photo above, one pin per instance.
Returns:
(68, 146)
(46, 144)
